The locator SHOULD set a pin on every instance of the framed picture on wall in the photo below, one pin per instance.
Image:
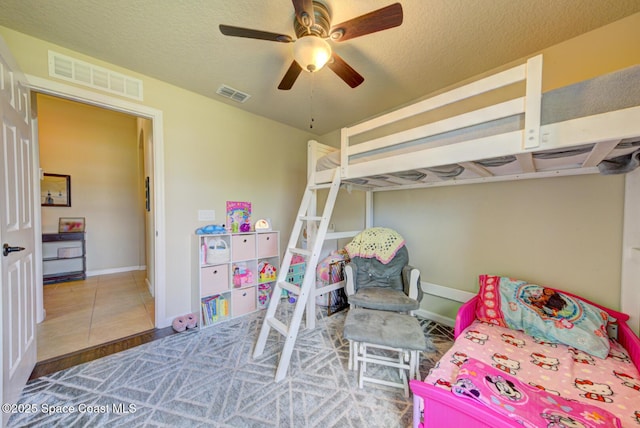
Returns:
(70, 224)
(55, 190)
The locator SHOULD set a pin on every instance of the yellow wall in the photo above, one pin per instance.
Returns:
(212, 152)
(562, 232)
(99, 149)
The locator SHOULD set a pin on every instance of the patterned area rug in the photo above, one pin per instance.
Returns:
(208, 378)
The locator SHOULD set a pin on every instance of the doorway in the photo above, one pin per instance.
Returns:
(155, 217)
(101, 152)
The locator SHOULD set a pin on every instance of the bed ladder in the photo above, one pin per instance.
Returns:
(303, 292)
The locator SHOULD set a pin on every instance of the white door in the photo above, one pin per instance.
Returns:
(17, 231)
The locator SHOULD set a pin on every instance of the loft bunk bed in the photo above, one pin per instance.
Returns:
(500, 127)
(588, 127)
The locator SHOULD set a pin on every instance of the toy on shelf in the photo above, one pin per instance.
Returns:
(264, 224)
(241, 275)
(266, 272)
(210, 229)
(238, 216)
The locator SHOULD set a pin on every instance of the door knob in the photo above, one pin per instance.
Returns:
(6, 249)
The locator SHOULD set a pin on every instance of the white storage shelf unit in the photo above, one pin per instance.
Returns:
(229, 281)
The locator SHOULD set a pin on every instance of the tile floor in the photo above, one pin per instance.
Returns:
(81, 314)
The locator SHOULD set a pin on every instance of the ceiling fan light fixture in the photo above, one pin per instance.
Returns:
(311, 53)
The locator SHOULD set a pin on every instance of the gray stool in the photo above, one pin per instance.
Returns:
(368, 328)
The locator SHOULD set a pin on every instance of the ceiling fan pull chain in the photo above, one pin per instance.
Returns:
(311, 102)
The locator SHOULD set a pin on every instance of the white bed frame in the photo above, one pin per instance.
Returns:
(603, 131)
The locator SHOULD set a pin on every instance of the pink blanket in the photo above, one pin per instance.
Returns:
(530, 406)
(612, 384)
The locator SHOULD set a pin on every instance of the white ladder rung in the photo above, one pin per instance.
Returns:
(292, 288)
(278, 326)
(320, 186)
(307, 289)
(300, 251)
(311, 218)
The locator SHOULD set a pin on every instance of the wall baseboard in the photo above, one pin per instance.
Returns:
(447, 292)
(115, 270)
(450, 322)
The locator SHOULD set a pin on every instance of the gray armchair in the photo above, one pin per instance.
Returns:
(394, 286)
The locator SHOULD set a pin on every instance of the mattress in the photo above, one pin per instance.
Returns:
(609, 92)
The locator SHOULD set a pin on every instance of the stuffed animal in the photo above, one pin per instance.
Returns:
(210, 229)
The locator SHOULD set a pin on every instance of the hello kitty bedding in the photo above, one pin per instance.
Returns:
(556, 346)
(612, 384)
(525, 403)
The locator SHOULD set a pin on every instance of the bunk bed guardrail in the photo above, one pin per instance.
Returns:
(505, 140)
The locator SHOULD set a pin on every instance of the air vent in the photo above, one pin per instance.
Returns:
(234, 94)
(85, 74)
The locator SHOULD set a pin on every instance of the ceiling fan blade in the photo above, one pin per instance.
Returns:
(248, 33)
(290, 76)
(378, 20)
(345, 71)
(304, 12)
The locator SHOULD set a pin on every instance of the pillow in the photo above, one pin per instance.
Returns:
(370, 272)
(544, 313)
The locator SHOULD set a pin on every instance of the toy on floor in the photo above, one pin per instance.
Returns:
(184, 322)
(295, 276)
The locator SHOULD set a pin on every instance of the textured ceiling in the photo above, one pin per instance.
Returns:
(439, 43)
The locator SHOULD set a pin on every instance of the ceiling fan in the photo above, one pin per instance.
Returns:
(312, 26)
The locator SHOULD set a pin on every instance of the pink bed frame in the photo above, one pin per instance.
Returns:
(442, 408)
